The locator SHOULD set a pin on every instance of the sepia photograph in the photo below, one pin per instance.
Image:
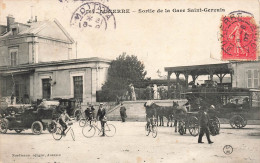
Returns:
(107, 81)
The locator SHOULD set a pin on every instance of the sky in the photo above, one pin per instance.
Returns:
(158, 39)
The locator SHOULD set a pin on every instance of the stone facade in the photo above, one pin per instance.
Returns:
(37, 62)
(246, 74)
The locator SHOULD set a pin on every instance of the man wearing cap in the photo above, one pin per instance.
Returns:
(204, 124)
(101, 115)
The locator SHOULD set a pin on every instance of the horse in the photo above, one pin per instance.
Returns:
(179, 113)
(160, 112)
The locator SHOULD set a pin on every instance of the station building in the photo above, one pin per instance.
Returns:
(37, 63)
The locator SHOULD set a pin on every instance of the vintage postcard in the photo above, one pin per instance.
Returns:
(129, 81)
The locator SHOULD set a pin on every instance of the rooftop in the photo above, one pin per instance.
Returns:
(53, 63)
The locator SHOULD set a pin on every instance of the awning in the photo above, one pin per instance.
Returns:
(15, 72)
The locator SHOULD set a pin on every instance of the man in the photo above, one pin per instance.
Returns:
(92, 109)
(62, 120)
(101, 115)
(123, 112)
(150, 113)
(204, 125)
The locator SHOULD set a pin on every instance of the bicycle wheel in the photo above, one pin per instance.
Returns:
(154, 131)
(110, 130)
(147, 130)
(82, 122)
(57, 135)
(88, 131)
(72, 134)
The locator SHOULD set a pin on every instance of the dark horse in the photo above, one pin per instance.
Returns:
(170, 112)
(160, 112)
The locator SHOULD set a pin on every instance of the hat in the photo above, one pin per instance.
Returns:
(101, 103)
(212, 106)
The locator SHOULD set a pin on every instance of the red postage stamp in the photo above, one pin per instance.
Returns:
(239, 38)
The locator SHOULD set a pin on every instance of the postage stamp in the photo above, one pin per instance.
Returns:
(239, 36)
(93, 15)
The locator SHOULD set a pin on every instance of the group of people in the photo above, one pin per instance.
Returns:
(89, 114)
(156, 92)
(150, 112)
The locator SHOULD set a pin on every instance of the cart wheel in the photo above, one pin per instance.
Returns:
(214, 127)
(4, 126)
(236, 121)
(244, 122)
(37, 128)
(193, 125)
(18, 131)
(181, 128)
(52, 127)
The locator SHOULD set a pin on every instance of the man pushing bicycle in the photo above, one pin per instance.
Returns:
(101, 115)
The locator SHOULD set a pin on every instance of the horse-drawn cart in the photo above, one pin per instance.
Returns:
(190, 121)
(234, 105)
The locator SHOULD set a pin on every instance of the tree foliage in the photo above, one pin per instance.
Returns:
(123, 71)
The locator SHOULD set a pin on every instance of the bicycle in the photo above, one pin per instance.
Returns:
(151, 128)
(89, 130)
(57, 134)
(84, 121)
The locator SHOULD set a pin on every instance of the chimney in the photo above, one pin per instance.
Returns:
(10, 20)
(35, 18)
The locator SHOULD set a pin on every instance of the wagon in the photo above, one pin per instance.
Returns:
(190, 121)
(234, 104)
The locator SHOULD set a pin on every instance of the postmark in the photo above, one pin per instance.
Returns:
(93, 15)
(239, 36)
(228, 149)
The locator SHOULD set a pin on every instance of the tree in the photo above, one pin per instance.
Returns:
(123, 71)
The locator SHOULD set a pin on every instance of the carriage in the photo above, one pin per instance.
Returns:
(186, 120)
(234, 105)
(190, 122)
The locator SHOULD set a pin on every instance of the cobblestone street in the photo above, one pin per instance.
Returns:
(131, 145)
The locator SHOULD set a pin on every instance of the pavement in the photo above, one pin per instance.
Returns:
(130, 145)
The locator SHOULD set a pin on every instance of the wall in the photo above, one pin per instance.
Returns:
(135, 110)
(52, 50)
(63, 78)
(240, 73)
(23, 50)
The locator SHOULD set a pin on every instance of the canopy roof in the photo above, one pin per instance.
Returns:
(200, 68)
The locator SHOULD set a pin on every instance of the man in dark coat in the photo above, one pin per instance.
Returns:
(123, 112)
(204, 124)
(101, 115)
